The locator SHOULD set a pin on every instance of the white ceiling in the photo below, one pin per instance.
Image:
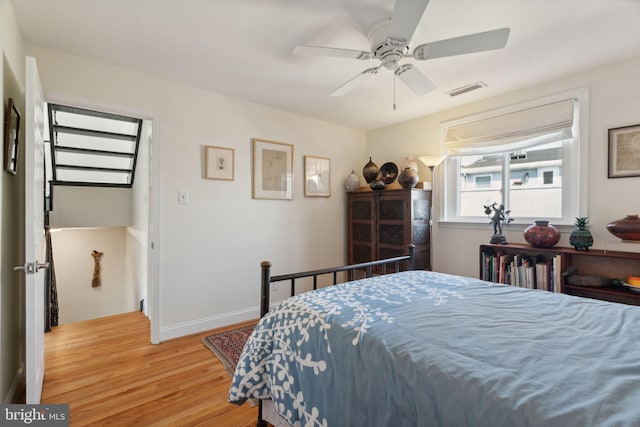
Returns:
(243, 48)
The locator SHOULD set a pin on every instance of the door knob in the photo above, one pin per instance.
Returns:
(31, 267)
(41, 265)
(27, 268)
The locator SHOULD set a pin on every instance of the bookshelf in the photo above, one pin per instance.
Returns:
(495, 262)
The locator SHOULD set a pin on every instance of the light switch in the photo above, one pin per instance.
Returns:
(183, 197)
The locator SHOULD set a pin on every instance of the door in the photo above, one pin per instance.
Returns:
(34, 243)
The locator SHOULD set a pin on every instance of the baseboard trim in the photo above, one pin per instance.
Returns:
(214, 322)
(16, 393)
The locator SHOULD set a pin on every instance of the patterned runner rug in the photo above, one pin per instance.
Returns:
(227, 346)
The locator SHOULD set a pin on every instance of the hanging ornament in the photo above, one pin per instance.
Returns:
(97, 279)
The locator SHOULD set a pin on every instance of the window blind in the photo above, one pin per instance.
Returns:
(512, 131)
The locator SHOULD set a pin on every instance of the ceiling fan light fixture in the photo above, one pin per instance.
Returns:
(465, 89)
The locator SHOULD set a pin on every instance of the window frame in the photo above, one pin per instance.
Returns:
(574, 164)
(91, 154)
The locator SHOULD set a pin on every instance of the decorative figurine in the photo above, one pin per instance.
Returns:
(499, 218)
(581, 237)
(97, 277)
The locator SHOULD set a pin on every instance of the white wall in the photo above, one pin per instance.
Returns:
(12, 357)
(73, 263)
(614, 97)
(76, 206)
(210, 249)
(138, 232)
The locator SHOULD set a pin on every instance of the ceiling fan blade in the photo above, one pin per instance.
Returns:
(356, 81)
(478, 42)
(405, 19)
(414, 79)
(331, 51)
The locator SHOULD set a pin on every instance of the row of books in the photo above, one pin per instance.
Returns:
(525, 271)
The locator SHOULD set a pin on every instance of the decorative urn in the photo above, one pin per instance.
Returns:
(409, 162)
(408, 178)
(388, 173)
(377, 184)
(370, 171)
(352, 182)
(627, 228)
(541, 234)
(581, 237)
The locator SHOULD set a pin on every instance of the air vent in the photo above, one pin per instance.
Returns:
(465, 89)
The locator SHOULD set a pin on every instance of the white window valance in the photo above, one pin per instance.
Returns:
(514, 130)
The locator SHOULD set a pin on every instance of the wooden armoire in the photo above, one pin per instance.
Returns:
(382, 224)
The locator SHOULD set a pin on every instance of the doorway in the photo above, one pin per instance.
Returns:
(97, 207)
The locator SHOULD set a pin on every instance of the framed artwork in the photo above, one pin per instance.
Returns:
(317, 176)
(219, 162)
(624, 151)
(272, 170)
(11, 137)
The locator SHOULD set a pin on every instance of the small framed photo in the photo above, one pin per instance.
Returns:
(272, 170)
(219, 162)
(317, 176)
(624, 151)
(11, 137)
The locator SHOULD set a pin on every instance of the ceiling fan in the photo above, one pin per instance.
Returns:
(389, 41)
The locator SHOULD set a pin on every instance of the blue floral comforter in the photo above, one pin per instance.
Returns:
(428, 349)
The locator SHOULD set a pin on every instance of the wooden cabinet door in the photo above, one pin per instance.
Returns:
(394, 223)
(362, 227)
(382, 224)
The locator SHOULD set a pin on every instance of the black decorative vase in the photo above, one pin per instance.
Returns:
(370, 171)
(377, 184)
(408, 178)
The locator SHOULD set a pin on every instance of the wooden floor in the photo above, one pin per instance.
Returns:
(109, 374)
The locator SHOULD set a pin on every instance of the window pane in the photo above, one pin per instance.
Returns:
(535, 182)
(480, 183)
(86, 121)
(99, 177)
(95, 143)
(90, 160)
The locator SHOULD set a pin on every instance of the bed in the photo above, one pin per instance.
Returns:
(421, 348)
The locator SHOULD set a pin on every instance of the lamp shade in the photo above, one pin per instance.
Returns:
(432, 160)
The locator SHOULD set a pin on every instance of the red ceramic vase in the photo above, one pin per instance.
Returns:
(541, 234)
(626, 228)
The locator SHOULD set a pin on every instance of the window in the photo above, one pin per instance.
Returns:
(92, 148)
(483, 181)
(526, 157)
(547, 178)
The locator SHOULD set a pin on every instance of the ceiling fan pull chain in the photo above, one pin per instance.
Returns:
(394, 91)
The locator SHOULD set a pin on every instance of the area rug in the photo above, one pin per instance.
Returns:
(227, 346)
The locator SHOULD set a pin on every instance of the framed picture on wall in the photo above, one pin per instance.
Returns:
(624, 151)
(219, 163)
(11, 137)
(272, 170)
(317, 176)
